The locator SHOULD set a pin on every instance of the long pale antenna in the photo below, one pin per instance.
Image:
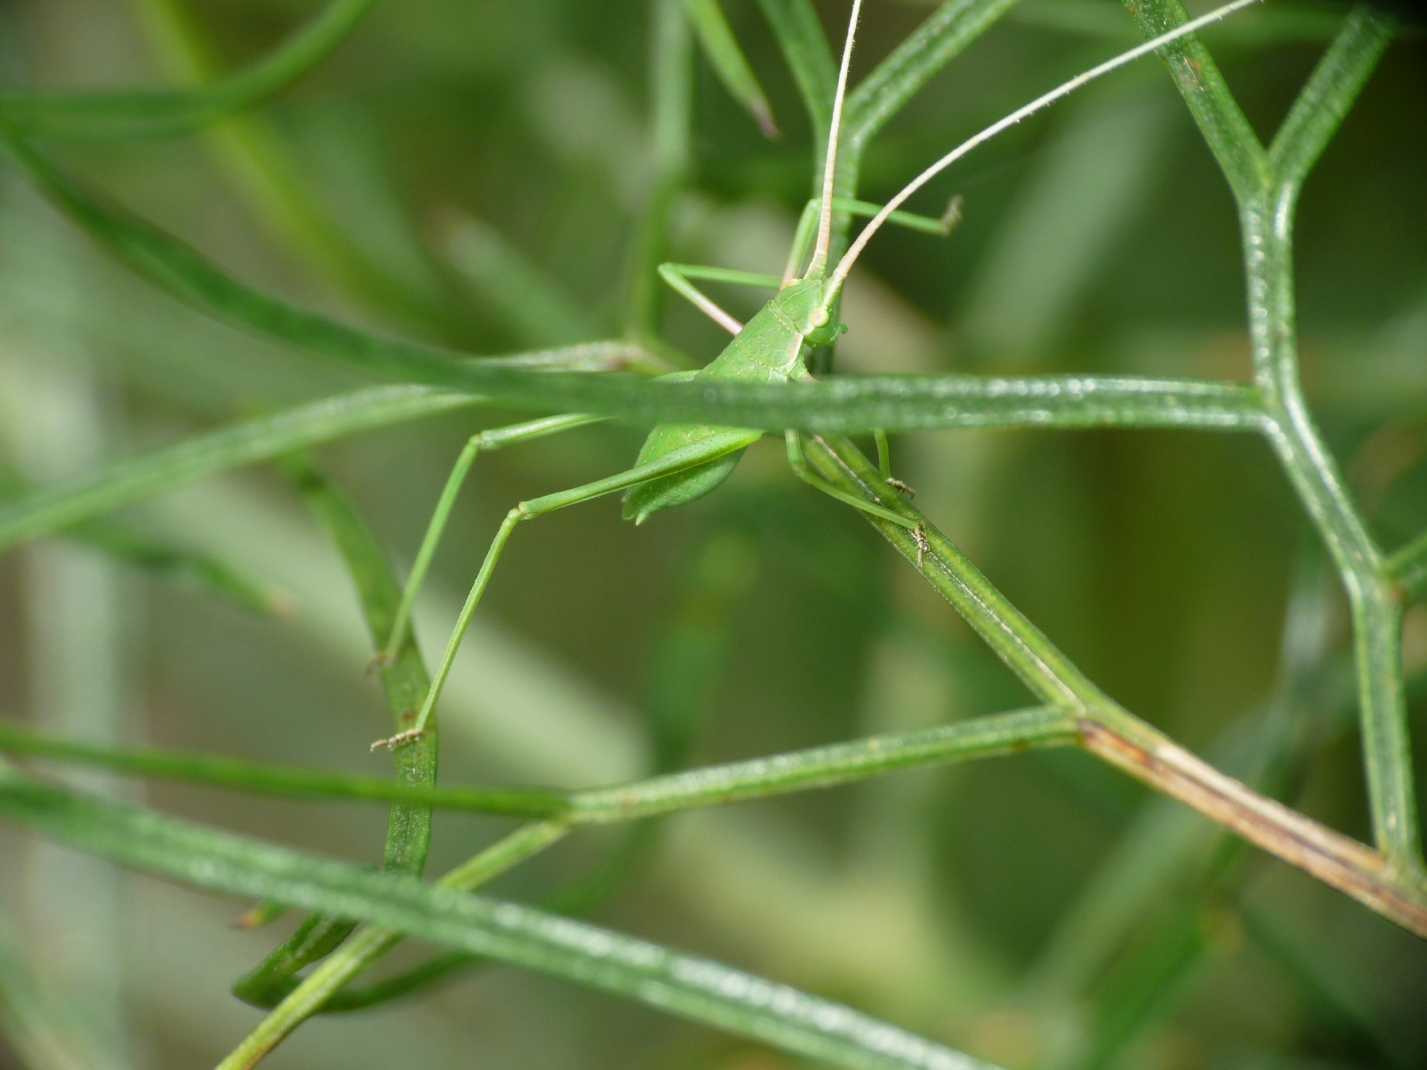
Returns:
(839, 276)
(824, 242)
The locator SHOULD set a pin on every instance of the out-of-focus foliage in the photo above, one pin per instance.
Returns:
(475, 175)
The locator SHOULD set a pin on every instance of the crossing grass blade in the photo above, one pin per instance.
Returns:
(164, 559)
(729, 63)
(592, 957)
(141, 113)
(44, 510)
(404, 680)
(847, 404)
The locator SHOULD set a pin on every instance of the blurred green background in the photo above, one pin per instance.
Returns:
(397, 186)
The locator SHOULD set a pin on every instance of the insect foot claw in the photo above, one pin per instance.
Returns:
(952, 216)
(396, 742)
(919, 536)
(906, 490)
(380, 662)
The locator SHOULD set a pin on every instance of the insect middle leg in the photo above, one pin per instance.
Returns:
(481, 442)
(804, 471)
(803, 237)
(676, 461)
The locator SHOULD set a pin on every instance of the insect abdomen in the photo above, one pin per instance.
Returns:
(683, 487)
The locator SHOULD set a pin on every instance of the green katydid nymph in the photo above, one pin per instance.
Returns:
(680, 463)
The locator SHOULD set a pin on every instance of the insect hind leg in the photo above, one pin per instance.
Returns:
(481, 442)
(676, 461)
(799, 463)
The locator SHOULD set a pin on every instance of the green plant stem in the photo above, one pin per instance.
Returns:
(1047, 672)
(882, 402)
(287, 782)
(1221, 121)
(1328, 96)
(1266, 186)
(404, 679)
(44, 510)
(982, 737)
(756, 778)
(48, 509)
(1312, 471)
(136, 113)
(804, 45)
(372, 943)
(693, 988)
(689, 652)
(1112, 733)
(846, 404)
(671, 90)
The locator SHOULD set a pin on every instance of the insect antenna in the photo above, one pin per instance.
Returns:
(839, 275)
(824, 240)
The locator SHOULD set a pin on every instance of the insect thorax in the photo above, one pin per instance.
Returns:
(775, 341)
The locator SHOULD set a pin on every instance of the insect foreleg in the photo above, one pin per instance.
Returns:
(804, 471)
(673, 462)
(678, 276)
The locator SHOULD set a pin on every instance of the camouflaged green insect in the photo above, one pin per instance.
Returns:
(680, 463)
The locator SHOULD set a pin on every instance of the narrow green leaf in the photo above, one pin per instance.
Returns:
(48, 509)
(283, 781)
(756, 778)
(164, 560)
(596, 958)
(889, 403)
(892, 403)
(511, 287)
(123, 114)
(405, 681)
(804, 46)
(729, 63)
(330, 980)
(671, 90)
(179, 565)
